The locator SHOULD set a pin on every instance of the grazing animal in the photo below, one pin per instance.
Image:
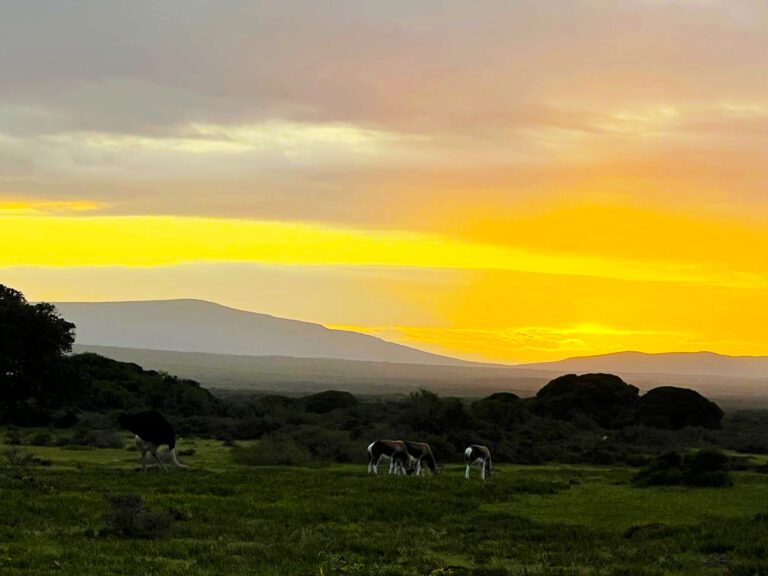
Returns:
(152, 430)
(479, 455)
(422, 453)
(401, 462)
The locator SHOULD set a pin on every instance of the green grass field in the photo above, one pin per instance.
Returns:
(564, 520)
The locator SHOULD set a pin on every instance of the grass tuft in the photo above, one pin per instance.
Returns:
(129, 518)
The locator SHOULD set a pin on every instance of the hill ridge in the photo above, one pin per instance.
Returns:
(673, 363)
(192, 325)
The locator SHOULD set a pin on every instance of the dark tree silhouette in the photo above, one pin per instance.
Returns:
(604, 398)
(33, 341)
(427, 413)
(503, 409)
(328, 401)
(108, 384)
(673, 408)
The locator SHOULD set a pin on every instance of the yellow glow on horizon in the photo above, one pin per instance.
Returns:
(520, 344)
(161, 241)
(542, 282)
(10, 207)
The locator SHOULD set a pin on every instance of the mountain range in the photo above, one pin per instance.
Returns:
(677, 363)
(228, 348)
(200, 326)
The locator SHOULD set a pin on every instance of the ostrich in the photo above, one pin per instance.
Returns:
(151, 430)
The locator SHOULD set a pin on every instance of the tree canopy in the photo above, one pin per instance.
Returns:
(329, 400)
(33, 341)
(38, 377)
(109, 385)
(604, 398)
(504, 409)
(611, 403)
(674, 408)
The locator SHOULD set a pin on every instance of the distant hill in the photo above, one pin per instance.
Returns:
(306, 375)
(226, 348)
(303, 375)
(672, 363)
(200, 326)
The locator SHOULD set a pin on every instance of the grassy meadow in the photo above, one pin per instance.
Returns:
(335, 519)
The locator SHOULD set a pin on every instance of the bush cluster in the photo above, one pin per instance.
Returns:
(337, 427)
(609, 402)
(128, 517)
(16, 456)
(272, 452)
(705, 468)
(82, 436)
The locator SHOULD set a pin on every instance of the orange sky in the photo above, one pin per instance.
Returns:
(509, 182)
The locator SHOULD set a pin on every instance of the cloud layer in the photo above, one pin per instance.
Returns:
(620, 141)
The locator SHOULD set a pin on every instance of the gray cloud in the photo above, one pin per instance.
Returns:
(500, 98)
(146, 66)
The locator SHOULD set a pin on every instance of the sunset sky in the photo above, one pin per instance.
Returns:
(495, 180)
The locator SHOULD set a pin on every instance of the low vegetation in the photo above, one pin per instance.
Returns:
(93, 513)
(128, 517)
(702, 468)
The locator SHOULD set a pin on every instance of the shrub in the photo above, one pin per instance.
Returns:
(17, 456)
(708, 468)
(98, 439)
(271, 452)
(42, 439)
(13, 438)
(129, 518)
(324, 445)
(66, 419)
(703, 468)
(603, 456)
(205, 426)
(526, 452)
(255, 427)
(664, 470)
(324, 402)
(503, 409)
(637, 460)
